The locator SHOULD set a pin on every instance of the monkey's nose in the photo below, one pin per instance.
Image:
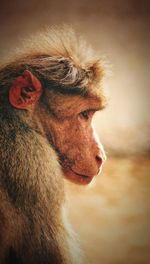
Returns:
(99, 160)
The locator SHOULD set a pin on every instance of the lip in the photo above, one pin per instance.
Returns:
(78, 178)
(85, 177)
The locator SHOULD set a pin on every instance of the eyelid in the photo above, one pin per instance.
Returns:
(87, 113)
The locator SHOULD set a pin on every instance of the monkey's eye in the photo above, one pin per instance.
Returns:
(85, 114)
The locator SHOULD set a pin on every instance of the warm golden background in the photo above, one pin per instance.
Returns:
(112, 215)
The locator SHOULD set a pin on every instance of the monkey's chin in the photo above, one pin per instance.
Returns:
(77, 178)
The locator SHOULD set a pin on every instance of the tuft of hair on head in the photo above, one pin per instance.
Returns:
(58, 42)
(58, 57)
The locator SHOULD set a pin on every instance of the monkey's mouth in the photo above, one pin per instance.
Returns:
(77, 178)
(71, 174)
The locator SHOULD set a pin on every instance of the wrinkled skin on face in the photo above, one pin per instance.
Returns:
(68, 127)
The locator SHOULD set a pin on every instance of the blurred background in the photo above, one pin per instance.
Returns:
(112, 215)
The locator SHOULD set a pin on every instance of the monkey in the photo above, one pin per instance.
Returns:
(50, 90)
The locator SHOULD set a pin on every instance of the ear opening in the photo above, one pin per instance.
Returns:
(25, 91)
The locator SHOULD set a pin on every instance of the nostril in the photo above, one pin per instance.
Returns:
(99, 160)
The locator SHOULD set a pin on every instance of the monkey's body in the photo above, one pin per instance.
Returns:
(47, 100)
(30, 232)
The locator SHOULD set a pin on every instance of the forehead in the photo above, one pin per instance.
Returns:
(68, 104)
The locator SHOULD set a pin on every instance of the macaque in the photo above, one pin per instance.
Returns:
(49, 92)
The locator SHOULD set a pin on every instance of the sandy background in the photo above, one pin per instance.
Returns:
(112, 215)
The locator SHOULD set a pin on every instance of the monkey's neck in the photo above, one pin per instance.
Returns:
(30, 172)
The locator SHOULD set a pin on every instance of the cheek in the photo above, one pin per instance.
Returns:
(65, 136)
(77, 141)
(69, 139)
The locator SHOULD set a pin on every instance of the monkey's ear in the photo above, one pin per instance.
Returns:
(25, 91)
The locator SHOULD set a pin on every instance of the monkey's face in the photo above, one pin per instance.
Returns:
(69, 129)
(66, 121)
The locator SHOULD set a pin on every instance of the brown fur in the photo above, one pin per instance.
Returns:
(40, 144)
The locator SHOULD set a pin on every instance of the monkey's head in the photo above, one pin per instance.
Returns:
(60, 91)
